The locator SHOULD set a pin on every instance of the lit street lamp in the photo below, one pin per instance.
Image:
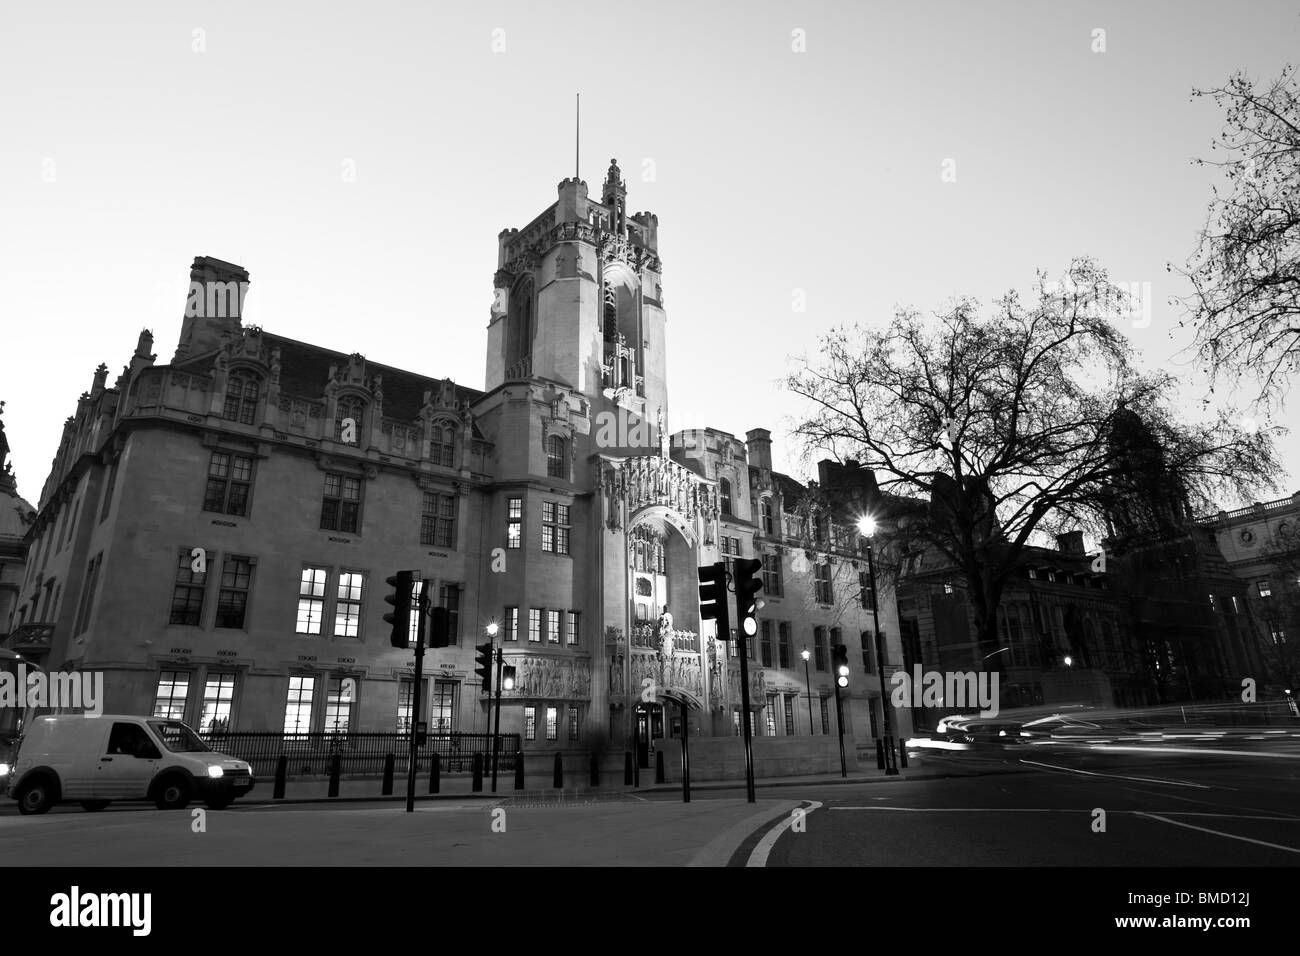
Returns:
(808, 679)
(867, 528)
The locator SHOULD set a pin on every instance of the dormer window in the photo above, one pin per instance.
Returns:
(349, 409)
(765, 512)
(442, 450)
(724, 496)
(241, 398)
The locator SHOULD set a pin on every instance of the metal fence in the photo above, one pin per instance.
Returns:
(360, 754)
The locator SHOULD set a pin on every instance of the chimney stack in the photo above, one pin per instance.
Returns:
(758, 444)
(214, 306)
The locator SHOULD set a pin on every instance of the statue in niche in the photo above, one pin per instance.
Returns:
(666, 632)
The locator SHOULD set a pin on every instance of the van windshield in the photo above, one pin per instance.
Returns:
(177, 737)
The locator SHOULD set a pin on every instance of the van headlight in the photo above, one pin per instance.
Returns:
(216, 772)
(4, 770)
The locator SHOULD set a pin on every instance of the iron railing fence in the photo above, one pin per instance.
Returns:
(360, 754)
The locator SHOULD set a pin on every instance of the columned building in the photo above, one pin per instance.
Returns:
(215, 532)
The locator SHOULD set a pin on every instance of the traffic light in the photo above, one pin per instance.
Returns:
(840, 663)
(507, 676)
(439, 627)
(484, 665)
(747, 586)
(713, 597)
(400, 616)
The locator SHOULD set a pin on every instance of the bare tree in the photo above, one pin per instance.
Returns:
(1012, 426)
(1245, 274)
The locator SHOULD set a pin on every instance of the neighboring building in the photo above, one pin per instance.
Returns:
(215, 532)
(15, 517)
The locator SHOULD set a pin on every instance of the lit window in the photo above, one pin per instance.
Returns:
(438, 520)
(405, 701)
(347, 609)
(573, 627)
(514, 522)
(947, 587)
(770, 712)
(297, 710)
(530, 722)
(1265, 588)
(218, 700)
(187, 595)
(311, 600)
(232, 599)
(535, 625)
(1279, 636)
(338, 705)
(442, 720)
(341, 504)
(552, 627)
(173, 690)
(229, 479)
(552, 723)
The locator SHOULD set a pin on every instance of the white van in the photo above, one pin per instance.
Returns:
(96, 760)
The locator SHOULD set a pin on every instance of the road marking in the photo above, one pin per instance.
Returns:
(764, 847)
(1230, 836)
(967, 809)
(1197, 750)
(1120, 776)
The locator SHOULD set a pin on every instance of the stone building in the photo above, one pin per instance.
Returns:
(16, 516)
(215, 532)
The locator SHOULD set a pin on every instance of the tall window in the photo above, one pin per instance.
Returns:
(297, 710)
(574, 723)
(443, 449)
(765, 631)
(823, 584)
(552, 627)
(88, 592)
(187, 595)
(449, 597)
(438, 520)
(341, 505)
(347, 609)
(772, 574)
(241, 399)
(349, 407)
(552, 723)
(819, 648)
(218, 702)
(514, 522)
(783, 636)
(535, 625)
(443, 718)
(789, 715)
(826, 715)
(867, 594)
(765, 515)
(573, 627)
(770, 713)
(232, 600)
(338, 704)
(173, 690)
(530, 722)
(405, 702)
(311, 600)
(108, 492)
(229, 479)
(730, 548)
(724, 495)
(555, 463)
(555, 527)
(512, 623)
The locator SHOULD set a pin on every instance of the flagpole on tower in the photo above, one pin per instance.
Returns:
(577, 128)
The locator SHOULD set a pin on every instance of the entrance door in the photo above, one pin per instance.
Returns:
(649, 727)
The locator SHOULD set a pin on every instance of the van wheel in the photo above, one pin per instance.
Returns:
(37, 795)
(218, 803)
(93, 806)
(172, 793)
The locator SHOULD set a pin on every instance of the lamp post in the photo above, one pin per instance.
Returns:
(496, 734)
(808, 679)
(867, 527)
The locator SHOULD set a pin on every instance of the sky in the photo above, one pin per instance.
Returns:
(360, 160)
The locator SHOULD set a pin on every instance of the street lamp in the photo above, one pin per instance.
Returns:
(867, 528)
(807, 678)
(1069, 661)
(492, 629)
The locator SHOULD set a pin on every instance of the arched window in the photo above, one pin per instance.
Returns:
(443, 449)
(724, 495)
(350, 407)
(241, 398)
(519, 322)
(556, 467)
(765, 510)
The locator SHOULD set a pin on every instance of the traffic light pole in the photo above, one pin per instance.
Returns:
(496, 734)
(891, 765)
(420, 606)
(743, 650)
(839, 723)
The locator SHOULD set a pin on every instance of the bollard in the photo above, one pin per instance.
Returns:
(902, 753)
(627, 769)
(659, 766)
(281, 773)
(477, 785)
(595, 769)
(390, 763)
(557, 780)
(519, 770)
(880, 754)
(336, 767)
(435, 775)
